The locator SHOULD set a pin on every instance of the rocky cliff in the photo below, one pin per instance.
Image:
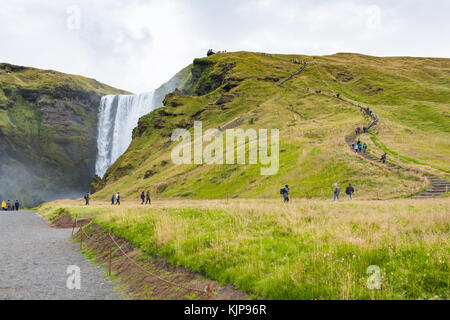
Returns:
(48, 131)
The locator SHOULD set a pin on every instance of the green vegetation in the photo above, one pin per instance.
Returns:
(48, 123)
(410, 95)
(305, 250)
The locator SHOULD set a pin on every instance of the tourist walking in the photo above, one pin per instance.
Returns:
(147, 196)
(349, 191)
(118, 198)
(142, 197)
(285, 192)
(112, 199)
(86, 198)
(383, 157)
(337, 191)
(365, 147)
(17, 204)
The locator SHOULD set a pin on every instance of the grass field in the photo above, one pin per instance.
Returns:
(305, 250)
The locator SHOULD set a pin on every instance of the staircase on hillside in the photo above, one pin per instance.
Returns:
(438, 186)
(292, 75)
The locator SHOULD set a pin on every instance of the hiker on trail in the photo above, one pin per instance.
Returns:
(364, 129)
(355, 147)
(8, 205)
(118, 198)
(359, 146)
(356, 131)
(142, 197)
(285, 192)
(349, 191)
(383, 157)
(147, 196)
(3, 205)
(337, 191)
(338, 95)
(365, 147)
(86, 198)
(112, 199)
(17, 204)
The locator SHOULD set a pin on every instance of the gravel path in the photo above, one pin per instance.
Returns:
(34, 259)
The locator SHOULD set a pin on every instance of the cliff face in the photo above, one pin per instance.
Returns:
(48, 131)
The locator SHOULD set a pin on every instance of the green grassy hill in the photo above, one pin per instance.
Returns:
(411, 96)
(48, 129)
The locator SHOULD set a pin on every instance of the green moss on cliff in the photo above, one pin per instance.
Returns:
(48, 129)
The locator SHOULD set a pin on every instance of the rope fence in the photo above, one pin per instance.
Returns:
(112, 242)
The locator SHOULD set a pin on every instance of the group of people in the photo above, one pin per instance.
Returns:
(145, 197)
(349, 191)
(359, 147)
(9, 206)
(115, 199)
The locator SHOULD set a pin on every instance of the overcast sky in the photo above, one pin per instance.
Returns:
(137, 45)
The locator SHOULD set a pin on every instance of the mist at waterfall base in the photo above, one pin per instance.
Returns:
(118, 116)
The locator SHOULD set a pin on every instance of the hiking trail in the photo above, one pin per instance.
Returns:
(437, 186)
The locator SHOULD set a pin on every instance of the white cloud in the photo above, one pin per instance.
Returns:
(137, 45)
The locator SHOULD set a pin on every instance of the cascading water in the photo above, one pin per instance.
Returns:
(118, 116)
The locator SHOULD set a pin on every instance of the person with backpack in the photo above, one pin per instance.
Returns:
(147, 196)
(86, 198)
(285, 192)
(337, 191)
(8, 205)
(383, 158)
(17, 204)
(359, 146)
(118, 198)
(349, 191)
(365, 147)
(142, 197)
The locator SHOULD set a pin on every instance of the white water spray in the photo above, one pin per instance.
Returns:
(118, 116)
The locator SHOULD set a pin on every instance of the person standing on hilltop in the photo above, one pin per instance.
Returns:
(148, 198)
(118, 198)
(142, 197)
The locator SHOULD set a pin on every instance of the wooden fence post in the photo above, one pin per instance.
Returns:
(81, 239)
(110, 252)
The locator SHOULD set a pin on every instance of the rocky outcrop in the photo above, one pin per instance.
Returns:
(48, 128)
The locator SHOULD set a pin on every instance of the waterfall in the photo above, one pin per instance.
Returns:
(118, 116)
